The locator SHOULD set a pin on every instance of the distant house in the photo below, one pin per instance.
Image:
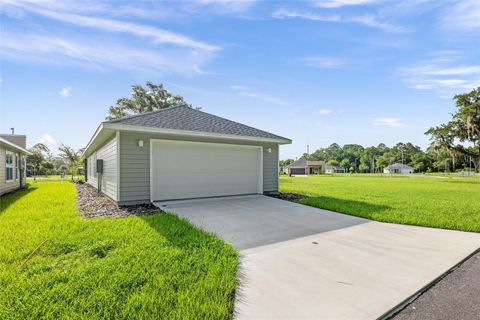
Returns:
(334, 169)
(305, 167)
(13, 155)
(398, 168)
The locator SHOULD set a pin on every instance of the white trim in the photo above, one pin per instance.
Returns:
(117, 136)
(278, 169)
(10, 166)
(150, 168)
(259, 148)
(12, 145)
(260, 174)
(95, 135)
(185, 133)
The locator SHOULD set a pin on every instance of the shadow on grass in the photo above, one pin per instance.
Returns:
(180, 233)
(477, 182)
(8, 199)
(352, 207)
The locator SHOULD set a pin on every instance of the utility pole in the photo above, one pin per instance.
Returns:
(445, 167)
(470, 163)
(373, 164)
(402, 158)
(355, 165)
(308, 151)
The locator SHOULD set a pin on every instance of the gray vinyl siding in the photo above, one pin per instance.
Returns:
(135, 165)
(108, 153)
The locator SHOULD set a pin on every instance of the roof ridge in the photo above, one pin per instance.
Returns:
(210, 114)
(143, 114)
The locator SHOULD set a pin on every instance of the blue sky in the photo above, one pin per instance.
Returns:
(318, 72)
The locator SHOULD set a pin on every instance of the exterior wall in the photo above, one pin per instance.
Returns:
(135, 165)
(7, 186)
(108, 153)
(17, 139)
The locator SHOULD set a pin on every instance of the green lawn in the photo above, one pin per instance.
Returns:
(67, 177)
(451, 203)
(126, 268)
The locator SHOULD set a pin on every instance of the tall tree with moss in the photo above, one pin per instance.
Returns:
(36, 158)
(71, 158)
(152, 97)
(463, 128)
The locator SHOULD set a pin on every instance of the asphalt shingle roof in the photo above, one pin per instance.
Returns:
(189, 119)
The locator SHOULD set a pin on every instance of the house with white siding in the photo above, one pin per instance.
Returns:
(13, 154)
(180, 153)
(398, 168)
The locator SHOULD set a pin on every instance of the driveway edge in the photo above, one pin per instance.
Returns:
(402, 305)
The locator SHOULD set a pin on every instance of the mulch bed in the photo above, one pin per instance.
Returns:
(93, 204)
(289, 196)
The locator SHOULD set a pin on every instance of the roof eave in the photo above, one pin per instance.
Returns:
(185, 133)
(14, 146)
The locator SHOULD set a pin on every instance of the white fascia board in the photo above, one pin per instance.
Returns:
(185, 133)
(14, 146)
(92, 139)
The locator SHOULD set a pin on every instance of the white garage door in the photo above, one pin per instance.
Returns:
(185, 170)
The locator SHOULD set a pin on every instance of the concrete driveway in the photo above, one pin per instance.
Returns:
(300, 262)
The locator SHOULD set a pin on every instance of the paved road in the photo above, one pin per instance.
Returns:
(457, 296)
(306, 263)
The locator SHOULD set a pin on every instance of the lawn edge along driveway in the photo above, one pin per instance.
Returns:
(150, 267)
(300, 262)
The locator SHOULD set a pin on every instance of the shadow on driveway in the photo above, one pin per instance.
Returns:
(252, 221)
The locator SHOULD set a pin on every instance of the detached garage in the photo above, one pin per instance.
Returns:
(180, 153)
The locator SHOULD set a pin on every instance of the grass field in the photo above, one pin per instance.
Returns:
(67, 177)
(450, 203)
(154, 267)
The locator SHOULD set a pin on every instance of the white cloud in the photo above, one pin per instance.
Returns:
(463, 15)
(163, 51)
(65, 92)
(365, 20)
(443, 72)
(323, 62)
(227, 6)
(389, 122)
(452, 83)
(324, 111)
(341, 3)
(47, 140)
(159, 36)
(460, 70)
(87, 53)
(247, 92)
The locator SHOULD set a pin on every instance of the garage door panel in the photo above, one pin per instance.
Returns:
(182, 170)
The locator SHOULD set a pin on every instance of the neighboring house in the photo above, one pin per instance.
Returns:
(398, 168)
(334, 169)
(12, 162)
(180, 153)
(305, 167)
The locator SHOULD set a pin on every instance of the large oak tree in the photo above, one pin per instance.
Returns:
(461, 135)
(152, 97)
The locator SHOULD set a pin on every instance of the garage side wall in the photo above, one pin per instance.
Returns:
(108, 153)
(135, 165)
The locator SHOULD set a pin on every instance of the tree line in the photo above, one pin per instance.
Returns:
(356, 158)
(454, 146)
(41, 161)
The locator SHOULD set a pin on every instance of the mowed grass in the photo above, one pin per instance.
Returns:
(154, 267)
(450, 203)
(66, 177)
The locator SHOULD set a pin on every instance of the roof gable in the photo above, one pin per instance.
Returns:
(188, 119)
